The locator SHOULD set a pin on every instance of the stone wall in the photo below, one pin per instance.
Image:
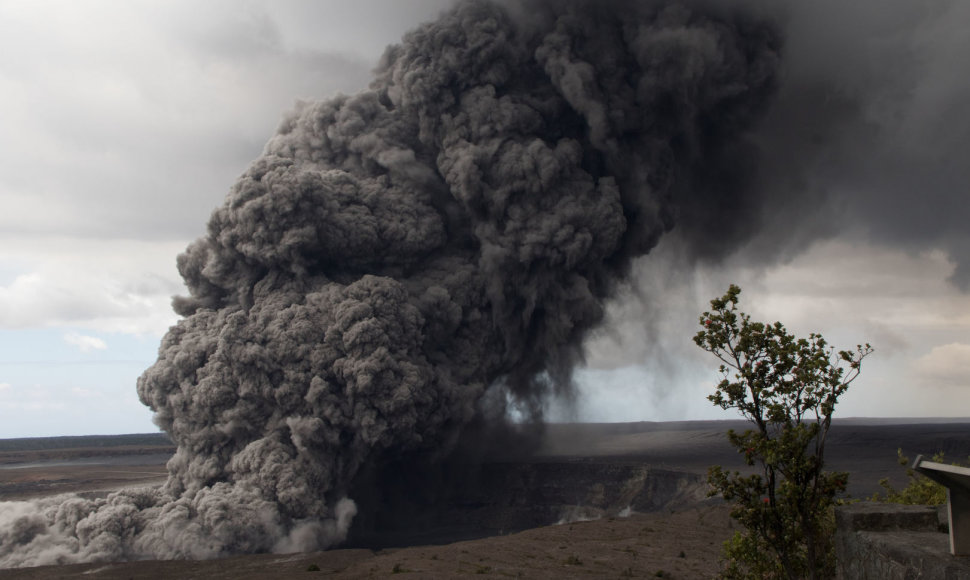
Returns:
(880, 541)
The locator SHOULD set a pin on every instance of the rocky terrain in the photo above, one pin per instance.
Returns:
(608, 500)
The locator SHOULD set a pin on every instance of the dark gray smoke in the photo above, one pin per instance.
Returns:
(868, 137)
(422, 257)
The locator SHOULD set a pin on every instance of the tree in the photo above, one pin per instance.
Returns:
(920, 490)
(788, 388)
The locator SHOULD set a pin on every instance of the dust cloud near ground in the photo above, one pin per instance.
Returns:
(682, 544)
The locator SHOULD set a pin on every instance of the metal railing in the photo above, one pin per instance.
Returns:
(956, 480)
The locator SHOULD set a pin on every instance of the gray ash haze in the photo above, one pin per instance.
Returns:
(406, 267)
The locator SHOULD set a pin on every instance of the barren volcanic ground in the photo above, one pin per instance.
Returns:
(90, 464)
(598, 471)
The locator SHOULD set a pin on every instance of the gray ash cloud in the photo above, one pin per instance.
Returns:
(404, 265)
(868, 137)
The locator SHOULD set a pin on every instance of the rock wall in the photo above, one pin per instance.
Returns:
(878, 541)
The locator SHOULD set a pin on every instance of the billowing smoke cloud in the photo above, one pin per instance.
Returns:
(420, 257)
(865, 143)
(868, 137)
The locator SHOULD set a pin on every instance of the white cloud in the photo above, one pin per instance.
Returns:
(35, 399)
(85, 343)
(85, 393)
(947, 365)
(902, 303)
(104, 285)
(4, 387)
(135, 119)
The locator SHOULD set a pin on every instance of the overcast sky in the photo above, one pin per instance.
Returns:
(125, 124)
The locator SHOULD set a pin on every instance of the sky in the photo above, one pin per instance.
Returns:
(126, 123)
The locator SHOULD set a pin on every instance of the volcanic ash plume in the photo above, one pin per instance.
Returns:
(399, 256)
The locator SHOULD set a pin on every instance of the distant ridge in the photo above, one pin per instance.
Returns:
(153, 439)
(901, 420)
(70, 442)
